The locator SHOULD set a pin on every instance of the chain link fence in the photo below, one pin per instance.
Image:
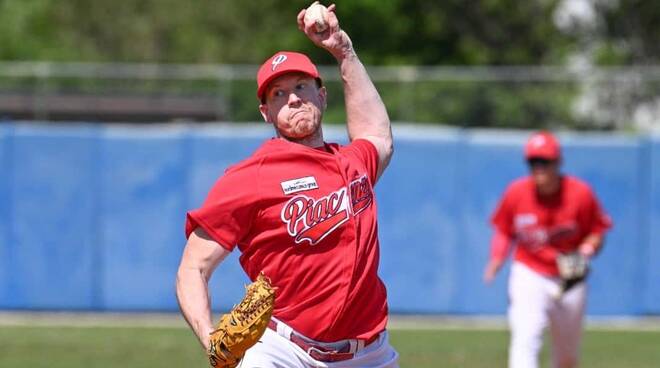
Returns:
(612, 98)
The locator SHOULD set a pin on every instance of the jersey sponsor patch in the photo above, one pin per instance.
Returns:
(299, 185)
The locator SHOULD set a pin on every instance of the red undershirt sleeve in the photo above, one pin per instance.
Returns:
(502, 218)
(500, 245)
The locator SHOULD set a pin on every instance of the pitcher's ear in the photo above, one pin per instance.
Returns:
(263, 109)
(323, 95)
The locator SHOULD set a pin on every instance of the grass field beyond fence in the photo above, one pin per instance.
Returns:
(76, 347)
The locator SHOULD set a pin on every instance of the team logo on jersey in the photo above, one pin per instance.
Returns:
(535, 236)
(562, 232)
(312, 220)
(361, 195)
(299, 185)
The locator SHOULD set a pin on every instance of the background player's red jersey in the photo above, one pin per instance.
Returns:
(542, 226)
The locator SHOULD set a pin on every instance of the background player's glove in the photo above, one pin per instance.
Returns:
(573, 268)
(243, 326)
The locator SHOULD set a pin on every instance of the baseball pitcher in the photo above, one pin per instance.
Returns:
(302, 212)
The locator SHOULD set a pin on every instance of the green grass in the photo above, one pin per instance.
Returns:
(52, 347)
(487, 349)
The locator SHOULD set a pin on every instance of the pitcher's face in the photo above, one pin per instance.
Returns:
(294, 103)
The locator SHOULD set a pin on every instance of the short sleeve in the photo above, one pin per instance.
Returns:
(502, 218)
(365, 152)
(600, 221)
(227, 212)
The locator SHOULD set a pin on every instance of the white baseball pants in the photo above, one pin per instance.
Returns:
(533, 305)
(275, 351)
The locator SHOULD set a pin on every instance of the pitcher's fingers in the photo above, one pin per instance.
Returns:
(333, 21)
(301, 20)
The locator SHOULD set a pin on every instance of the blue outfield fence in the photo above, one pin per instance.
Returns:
(92, 216)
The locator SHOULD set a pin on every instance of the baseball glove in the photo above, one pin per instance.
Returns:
(573, 268)
(243, 326)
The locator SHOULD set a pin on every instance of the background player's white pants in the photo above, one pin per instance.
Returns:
(274, 351)
(532, 307)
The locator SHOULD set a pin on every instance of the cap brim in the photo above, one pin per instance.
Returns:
(264, 85)
(545, 156)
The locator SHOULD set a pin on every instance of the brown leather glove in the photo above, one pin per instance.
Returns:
(243, 326)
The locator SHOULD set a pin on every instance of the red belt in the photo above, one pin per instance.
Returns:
(324, 352)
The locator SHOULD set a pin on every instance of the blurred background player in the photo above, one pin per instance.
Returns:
(544, 214)
(303, 212)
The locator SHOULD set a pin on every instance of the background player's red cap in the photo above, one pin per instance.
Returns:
(281, 63)
(542, 145)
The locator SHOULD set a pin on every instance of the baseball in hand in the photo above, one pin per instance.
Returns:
(317, 14)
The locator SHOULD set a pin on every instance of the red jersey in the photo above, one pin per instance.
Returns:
(307, 218)
(543, 226)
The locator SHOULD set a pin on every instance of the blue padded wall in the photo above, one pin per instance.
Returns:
(651, 263)
(490, 162)
(7, 287)
(92, 216)
(140, 214)
(417, 223)
(51, 213)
